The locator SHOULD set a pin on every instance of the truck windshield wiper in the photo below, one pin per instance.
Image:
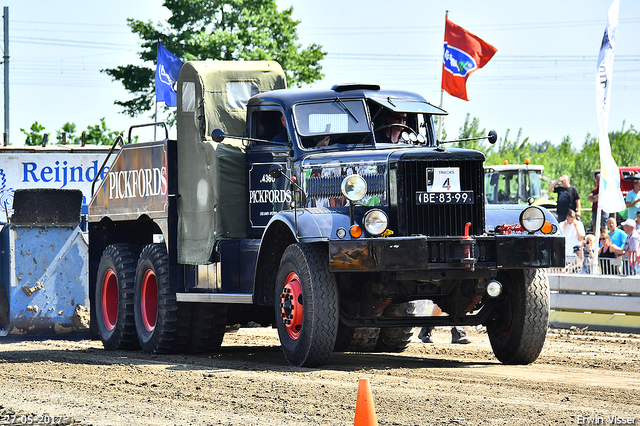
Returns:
(344, 107)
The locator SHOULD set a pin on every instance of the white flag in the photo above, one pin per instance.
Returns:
(609, 198)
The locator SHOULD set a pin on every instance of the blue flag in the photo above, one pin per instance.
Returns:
(167, 71)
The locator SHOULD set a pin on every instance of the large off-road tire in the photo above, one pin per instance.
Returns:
(356, 339)
(306, 305)
(518, 325)
(396, 339)
(208, 324)
(162, 323)
(114, 297)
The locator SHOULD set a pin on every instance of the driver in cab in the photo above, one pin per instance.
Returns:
(393, 133)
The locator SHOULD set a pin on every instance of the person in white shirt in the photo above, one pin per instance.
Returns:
(573, 231)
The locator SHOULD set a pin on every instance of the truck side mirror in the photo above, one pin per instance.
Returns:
(217, 135)
(493, 137)
(275, 171)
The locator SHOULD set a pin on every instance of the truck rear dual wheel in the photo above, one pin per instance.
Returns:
(356, 339)
(162, 324)
(208, 325)
(113, 298)
(396, 339)
(306, 305)
(518, 326)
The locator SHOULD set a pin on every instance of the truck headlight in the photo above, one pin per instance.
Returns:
(532, 219)
(375, 222)
(354, 187)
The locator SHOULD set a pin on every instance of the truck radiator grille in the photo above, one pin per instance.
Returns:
(439, 220)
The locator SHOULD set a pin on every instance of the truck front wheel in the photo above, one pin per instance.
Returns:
(306, 305)
(114, 297)
(162, 323)
(518, 326)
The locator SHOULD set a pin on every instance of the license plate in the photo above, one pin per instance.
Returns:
(459, 197)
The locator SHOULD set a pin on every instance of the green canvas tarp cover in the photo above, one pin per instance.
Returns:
(212, 180)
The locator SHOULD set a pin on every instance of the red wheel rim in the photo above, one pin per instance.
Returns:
(149, 300)
(291, 306)
(110, 300)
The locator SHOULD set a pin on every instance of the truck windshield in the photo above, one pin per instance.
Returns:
(512, 186)
(329, 118)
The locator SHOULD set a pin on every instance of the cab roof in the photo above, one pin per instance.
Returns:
(286, 98)
(513, 167)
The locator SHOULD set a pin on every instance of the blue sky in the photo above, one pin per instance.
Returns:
(542, 79)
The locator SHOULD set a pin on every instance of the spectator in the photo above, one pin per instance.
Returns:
(606, 253)
(568, 197)
(633, 198)
(631, 248)
(587, 253)
(617, 235)
(573, 232)
(593, 198)
(457, 334)
(638, 221)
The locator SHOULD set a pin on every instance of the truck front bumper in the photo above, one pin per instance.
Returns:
(445, 253)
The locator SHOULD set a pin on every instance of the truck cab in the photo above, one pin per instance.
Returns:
(517, 184)
(323, 213)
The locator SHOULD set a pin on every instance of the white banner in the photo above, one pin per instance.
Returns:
(609, 198)
(56, 168)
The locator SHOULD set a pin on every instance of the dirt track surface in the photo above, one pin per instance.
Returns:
(579, 376)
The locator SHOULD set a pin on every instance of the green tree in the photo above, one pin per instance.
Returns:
(625, 146)
(471, 129)
(34, 135)
(100, 134)
(69, 129)
(218, 30)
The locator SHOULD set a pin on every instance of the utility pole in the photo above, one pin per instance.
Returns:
(6, 75)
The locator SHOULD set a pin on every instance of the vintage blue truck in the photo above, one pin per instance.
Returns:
(323, 213)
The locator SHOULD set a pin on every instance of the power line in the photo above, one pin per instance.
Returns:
(440, 28)
(71, 43)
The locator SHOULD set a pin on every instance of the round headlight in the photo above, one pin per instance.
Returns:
(375, 222)
(532, 219)
(354, 187)
(494, 288)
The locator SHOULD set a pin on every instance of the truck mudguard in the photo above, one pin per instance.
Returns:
(312, 224)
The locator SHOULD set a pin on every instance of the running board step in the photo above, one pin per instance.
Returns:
(239, 298)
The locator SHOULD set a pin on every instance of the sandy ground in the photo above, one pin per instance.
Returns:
(580, 377)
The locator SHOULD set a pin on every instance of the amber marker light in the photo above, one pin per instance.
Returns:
(547, 228)
(505, 162)
(526, 161)
(355, 231)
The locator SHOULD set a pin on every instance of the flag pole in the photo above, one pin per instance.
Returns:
(596, 247)
(441, 117)
(156, 96)
(155, 120)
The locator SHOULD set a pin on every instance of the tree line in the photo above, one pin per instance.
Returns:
(98, 134)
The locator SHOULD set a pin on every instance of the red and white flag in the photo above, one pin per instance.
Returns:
(463, 54)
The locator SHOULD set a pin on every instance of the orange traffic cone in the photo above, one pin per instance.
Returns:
(365, 412)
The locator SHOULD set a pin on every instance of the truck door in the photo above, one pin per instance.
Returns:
(267, 196)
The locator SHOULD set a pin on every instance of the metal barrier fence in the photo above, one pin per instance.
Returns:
(609, 302)
(605, 266)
